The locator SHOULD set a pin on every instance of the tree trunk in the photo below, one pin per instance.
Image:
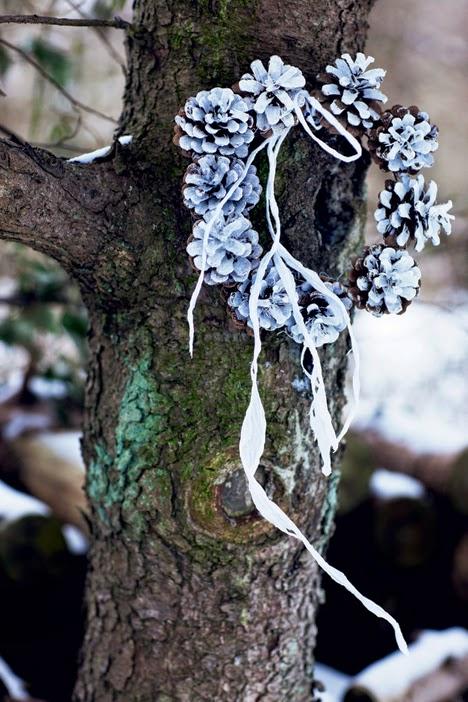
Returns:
(191, 596)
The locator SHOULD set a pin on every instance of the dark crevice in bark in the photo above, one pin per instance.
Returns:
(336, 204)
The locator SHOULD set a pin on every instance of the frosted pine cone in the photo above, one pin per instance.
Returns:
(354, 90)
(384, 280)
(232, 251)
(403, 140)
(209, 179)
(273, 91)
(323, 319)
(408, 211)
(215, 121)
(274, 307)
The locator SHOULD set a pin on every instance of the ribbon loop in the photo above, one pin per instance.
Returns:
(331, 119)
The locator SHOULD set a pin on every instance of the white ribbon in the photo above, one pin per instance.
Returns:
(253, 432)
(275, 515)
(311, 277)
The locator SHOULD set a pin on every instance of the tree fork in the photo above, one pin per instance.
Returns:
(191, 596)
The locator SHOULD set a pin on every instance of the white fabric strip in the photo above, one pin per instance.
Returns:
(315, 280)
(320, 419)
(275, 515)
(274, 144)
(253, 432)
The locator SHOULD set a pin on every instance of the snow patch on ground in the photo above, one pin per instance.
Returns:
(20, 422)
(387, 485)
(64, 445)
(334, 682)
(76, 541)
(391, 677)
(413, 372)
(15, 504)
(46, 388)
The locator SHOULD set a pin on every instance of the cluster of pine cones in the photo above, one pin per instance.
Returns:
(401, 140)
(217, 129)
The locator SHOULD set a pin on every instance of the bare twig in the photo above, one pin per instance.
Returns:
(56, 84)
(102, 36)
(62, 142)
(116, 23)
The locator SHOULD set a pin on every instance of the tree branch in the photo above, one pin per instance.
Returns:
(116, 23)
(76, 103)
(59, 209)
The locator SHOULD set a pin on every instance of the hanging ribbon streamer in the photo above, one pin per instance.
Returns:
(315, 280)
(253, 432)
(320, 419)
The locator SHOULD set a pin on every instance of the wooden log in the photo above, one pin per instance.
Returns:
(50, 467)
(446, 474)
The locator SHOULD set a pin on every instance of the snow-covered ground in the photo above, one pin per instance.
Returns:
(334, 682)
(15, 504)
(393, 676)
(389, 485)
(414, 376)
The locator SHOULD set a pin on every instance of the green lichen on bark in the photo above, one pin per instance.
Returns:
(119, 475)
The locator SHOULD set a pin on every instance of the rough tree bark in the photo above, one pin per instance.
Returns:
(190, 595)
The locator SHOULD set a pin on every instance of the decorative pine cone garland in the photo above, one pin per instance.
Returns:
(403, 140)
(208, 180)
(217, 127)
(384, 280)
(232, 251)
(408, 212)
(216, 121)
(353, 90)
